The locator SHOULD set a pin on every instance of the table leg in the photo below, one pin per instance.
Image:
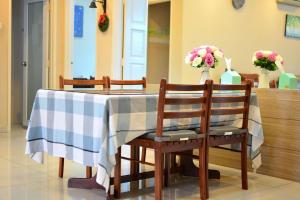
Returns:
(187, 168)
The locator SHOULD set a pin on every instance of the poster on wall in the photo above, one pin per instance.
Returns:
(292, 26)
(78, 21)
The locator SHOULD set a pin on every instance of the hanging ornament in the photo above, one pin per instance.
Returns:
(103, 22)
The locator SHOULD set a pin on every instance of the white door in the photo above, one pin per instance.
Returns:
(35, 63)
(135, 39)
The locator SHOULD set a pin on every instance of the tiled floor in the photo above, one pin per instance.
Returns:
(21, 178)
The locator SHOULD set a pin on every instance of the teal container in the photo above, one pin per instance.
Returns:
(288, 81)
(231, 78)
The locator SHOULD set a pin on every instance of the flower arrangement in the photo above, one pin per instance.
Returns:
(267, 60)
(204, 56)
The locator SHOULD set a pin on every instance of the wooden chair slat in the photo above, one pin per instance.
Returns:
(229, 99)
(227, 111)
(174, 115)
(177, 87)
(228, 87)
(142, 82)
(83, 82)
(63, 82)
(184, 101)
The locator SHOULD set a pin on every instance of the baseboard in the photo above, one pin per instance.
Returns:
(3, 130)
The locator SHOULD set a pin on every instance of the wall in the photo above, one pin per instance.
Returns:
(158, 42)
(175, 60)
(258, 25)
(104, 44)
(5, 63)
(57, 42)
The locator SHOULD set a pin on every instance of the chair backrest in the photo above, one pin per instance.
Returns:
(233, 97)
(203, 102)
(254, 77)
(63, 82)
(127, 82)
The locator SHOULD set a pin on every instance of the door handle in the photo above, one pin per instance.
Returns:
(24, 64)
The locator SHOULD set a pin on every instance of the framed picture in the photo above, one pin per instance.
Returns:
(78, 21)
(292, 26)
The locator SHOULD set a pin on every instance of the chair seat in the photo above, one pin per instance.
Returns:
(225, 130)
(179, 135)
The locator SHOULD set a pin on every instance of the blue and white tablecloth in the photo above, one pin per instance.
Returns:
(88, 128)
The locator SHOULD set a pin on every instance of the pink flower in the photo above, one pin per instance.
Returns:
(208, 50)
(259, 55)
(209, 60)
(272, 57)
(194, 55)
(282, 62)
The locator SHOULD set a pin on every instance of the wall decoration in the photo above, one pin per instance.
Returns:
(237, 4)
(78, 21)
(292, 26)
(103, 22)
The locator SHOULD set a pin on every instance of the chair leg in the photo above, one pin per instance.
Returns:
(88, 172)
(159, 157)
(134, 166)
(117, 177)
(144, 149)
(203, 172)
(61, 167)
(167, 169)
(244, 163)
(206, 154)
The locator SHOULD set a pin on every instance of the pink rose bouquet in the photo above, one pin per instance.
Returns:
(204, 56)
(268, 60)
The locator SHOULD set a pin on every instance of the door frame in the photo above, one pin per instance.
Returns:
(69, 27)
(46, 28)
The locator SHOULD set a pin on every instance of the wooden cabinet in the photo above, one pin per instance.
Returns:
(280, 111)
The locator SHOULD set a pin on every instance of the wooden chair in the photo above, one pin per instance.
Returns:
(273, 84)
(62, 83)
(127, 82)
(166, 142)
(253, 77)
(222, 135)
(142, 82)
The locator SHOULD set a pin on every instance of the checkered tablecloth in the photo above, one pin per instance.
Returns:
(88, 128)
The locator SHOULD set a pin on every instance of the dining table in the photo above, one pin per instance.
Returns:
(88, 126)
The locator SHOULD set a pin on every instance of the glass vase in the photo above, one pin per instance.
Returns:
(264, 79)
(204, 75)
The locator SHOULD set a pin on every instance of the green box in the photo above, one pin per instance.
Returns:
(288, 81)
(230, 78)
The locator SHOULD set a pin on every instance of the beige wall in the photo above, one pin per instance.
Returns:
(57, 46)
(104, 45)
(5, 63)
(175, 61)
(258, 25)
(158, 42)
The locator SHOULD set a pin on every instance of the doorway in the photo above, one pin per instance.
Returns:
(81, 35)
(158, 41)
(30, 20)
